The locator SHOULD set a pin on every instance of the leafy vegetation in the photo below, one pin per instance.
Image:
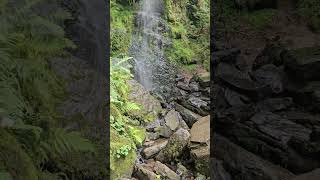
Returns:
(189, 21)
(125, 136)
(33, 145)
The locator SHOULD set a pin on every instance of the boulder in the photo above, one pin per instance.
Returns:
(176, 144)
(200, 131)
(247, 165)
(279, 128)
(183, 86)
(271, 77)
(165, 172)
(194, 86)
(203, 79)
(156, 147)
(164, 131)
(144, 173)
(152, 136)
(304, 118)
(151, 107)
(188, 116)
(196, 105)
(172, 119)
(201, 156)
(275, 104)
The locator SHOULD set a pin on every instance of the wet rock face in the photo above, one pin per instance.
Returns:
(268, 112)
(151, 107)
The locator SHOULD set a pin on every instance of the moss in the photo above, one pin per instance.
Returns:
(122, 20)
(120, 166)
(137, 134)
(189, 24)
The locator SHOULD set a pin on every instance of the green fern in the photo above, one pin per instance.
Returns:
(62, 142)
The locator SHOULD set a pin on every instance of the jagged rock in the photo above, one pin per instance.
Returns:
(172, 119)
(196, 105)
(151, 107)
(188, 116)
(183, 86)
(230, 76)
(175, 146)
(274, 104)
(201, 156)
(306, 119)
(247, 165)
(180, 77)
(164, 131)
(152, 135)
(270, 76)
(217, 170)
(279, 128)
(233, 98)
(203, 79)
(183, 124)
(144, 173)
(200, 131)
(313, 175)
(194, 86)
(152, 125)
(156, 147)
(165, 172)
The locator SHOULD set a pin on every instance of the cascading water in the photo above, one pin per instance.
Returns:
(151, 68)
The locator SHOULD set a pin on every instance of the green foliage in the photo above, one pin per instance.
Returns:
(309, 9)
(31, 140)
(189, 22)
(121, 26)
(123, 151)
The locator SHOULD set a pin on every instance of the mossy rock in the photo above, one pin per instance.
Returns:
(150, 106)
(176, 144)
(137, 134)
(120, 167)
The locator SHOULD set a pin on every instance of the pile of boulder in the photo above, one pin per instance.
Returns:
(267, 119)
(177, 142)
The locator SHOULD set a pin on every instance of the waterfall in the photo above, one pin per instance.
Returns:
(147, 49)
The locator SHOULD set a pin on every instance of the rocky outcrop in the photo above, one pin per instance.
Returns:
(267, 113)
(151, 107)
(246, 164)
